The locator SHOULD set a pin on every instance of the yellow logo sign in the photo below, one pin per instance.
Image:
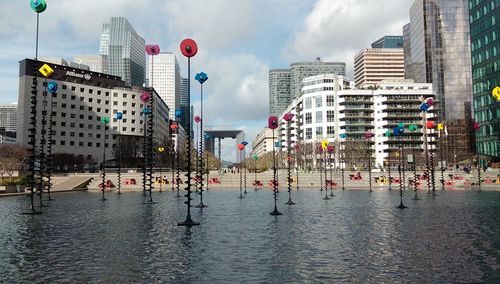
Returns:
(324, 144)
(496, 93)
(46, 70)
(440, 126)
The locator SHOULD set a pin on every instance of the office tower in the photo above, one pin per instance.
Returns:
(279, 91)
(83, 98)
(440, 54)
(96, 63)
(301, 70)
(165, 78)
(8, 123)
(389, 42)
(124, 51)
(285, 84)
(485, 46)
(184, 102)
(373, 65)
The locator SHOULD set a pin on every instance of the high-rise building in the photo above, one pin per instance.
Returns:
(124, 51)
(301, 70)
(485, 46)
(184, 103)
(96, 63)
(329, 108)
(83, 98)
(8, 117)
(440, 54)
(389, 42)
(279, 90)
(165, 78)
(285, 84)
(373, 65)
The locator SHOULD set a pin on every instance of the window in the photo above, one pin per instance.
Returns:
(124, 95)
(73, 88)
(98, 101)
(90, 117)
(80, 143)
(82, 107)
(133, 97)
(98, 92)
(82, 116)
(90, 92)
(319, 117)
(330, 116)
(73, 97)
(308, 118)
(72, 115)
(62, 142)
(80, 125)
(98, 127)
(98, 136)
(80, 134)
(90, 126)
(64, 87)
(98, 109)
(63, 123)
(73, 106)
(82, 90)
(71, 143)
(115, 95)
(330, 132)
(330, 101)
(72, 134)
(309, 133)
(72, 124)
(90, 135)
(319, 101)
(319, 132)
(63, 105)
(98, 145)
(63, 114)
(91, 100)
(89, 144)
(63, 133)
(124, 103)
(308, 103)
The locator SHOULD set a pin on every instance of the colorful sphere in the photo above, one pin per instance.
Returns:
(188, 47)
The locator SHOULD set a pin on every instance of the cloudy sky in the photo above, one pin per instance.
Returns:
(239, 41)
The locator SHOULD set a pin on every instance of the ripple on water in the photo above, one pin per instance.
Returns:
(354, 237)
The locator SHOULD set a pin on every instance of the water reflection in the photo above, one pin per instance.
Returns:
(353, 237)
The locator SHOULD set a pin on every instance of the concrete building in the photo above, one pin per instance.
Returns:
(485, 46)
(8, 117)
(440, 54)
(124, 51)
(96, 63)
(390, 41)
(330, 108)
(372, 65)
(263, 142)
(279, 90)
(82, 99)
(285, 84)
(165, 78)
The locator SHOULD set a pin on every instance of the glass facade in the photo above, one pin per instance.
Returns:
(485, 47)
(440, 54)
(124, 50)
(279, 91)
(389, 42)
(301, 70)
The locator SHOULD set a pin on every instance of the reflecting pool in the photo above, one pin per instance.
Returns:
(356, 236)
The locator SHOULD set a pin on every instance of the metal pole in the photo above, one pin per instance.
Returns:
(275, 182)
(104, 165)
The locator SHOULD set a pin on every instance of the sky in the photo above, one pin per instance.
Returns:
(238, 41)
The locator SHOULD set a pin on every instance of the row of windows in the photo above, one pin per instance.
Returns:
(480, 12)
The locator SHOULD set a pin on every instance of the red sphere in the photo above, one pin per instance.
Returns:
(241, 147)
(431, 124)
(189, 47)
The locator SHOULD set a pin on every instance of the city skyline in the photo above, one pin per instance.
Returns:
(236, 51)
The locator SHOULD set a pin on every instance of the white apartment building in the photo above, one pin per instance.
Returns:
(263, 143)
(372, 65)
(82, 99)
(165, 78)
(330, 108)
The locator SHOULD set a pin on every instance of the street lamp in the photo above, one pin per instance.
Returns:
(330, 150)
(342, 136)
(207, 136)
(413, 128)
(273, 124)
(288, 118)
(244, 161)
(368, 137)
(424, 107)
(399, 131)
(175, 129)
(38, 6)
(388, 134)
(189, 49)
(105, 121)
(52, 89)
(241, 147)
(119, 117)
(255, 157)
(161, 149)
(476, 126)
(323, 149)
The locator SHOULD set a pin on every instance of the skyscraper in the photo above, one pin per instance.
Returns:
(279, 91)
(165, 78)
(372, 65)
(485, 46)
(8, 117)
(285, 84)
(440, 54)
(184, 103)
(301, 70)
(388, 42)
(124, 51)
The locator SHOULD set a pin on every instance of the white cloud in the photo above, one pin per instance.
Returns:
(337, 30)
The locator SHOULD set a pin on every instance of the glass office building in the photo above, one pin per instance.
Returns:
(389, 42)
(440, 54)
(279, 91)
(124, 51)
(485, 46)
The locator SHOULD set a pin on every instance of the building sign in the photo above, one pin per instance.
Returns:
(83, 76)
